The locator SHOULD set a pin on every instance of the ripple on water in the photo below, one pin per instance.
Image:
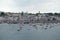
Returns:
(29, 33)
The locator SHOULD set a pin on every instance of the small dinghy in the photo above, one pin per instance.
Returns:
(45, 28)
(34, 25)
(19, 29)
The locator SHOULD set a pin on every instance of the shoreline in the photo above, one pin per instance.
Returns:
(48, 22)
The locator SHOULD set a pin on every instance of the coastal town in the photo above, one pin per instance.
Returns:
(26, 18)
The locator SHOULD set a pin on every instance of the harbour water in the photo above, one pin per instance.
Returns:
(29, 32)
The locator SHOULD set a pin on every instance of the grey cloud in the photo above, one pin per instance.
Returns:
(24, 3)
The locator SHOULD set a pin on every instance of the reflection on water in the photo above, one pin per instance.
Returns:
(29, 32)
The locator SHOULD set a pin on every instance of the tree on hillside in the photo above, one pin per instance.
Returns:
(50, 14)
(36, 14)
(2, 14)
(57, 14)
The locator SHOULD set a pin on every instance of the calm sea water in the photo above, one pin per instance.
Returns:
(29, 32)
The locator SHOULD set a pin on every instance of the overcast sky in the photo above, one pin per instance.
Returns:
(30, 5)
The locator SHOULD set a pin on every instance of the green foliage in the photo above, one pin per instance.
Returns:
(36, 14)
(57, 14)
(50, 14)
(2, 14)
